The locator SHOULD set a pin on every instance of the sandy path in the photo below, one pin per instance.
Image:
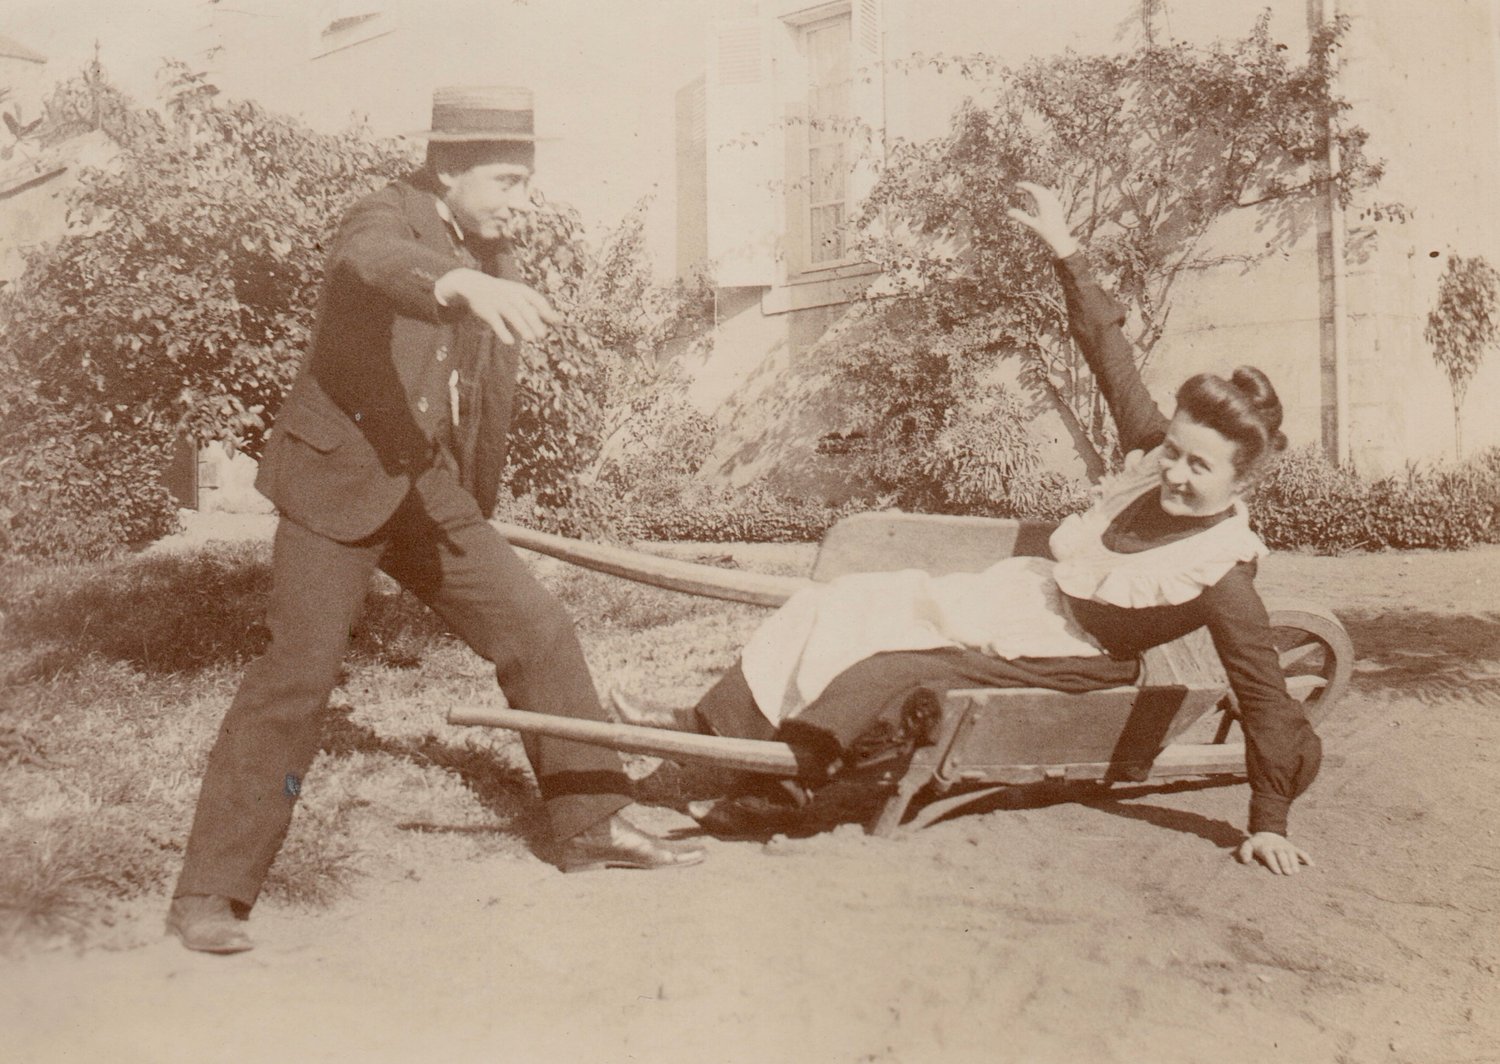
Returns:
(1037, 930)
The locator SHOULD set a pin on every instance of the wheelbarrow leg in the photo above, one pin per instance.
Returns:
(923, 768)
(919, 773)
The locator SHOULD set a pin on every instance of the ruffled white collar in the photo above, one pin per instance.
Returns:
(1167, 575)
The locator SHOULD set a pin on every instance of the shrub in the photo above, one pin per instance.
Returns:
(974, 456)
(174, 306)
(1044, 496)
(179, 303)
(1305, 502)
(81, 495)
(1302, 503)
(1445, 509)
(664, 440)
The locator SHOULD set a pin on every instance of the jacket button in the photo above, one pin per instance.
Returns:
(422, 404)
(442, 354)
(358, 416)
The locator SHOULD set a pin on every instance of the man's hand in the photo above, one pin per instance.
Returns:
(1049, 222)
(509, 308)
(1274, 851)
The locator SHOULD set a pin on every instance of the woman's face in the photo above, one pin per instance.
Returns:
(1198, 478)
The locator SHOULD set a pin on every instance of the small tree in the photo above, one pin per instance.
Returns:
(1149, 149)
(1462, 326)
(637, 321)
(602, 365)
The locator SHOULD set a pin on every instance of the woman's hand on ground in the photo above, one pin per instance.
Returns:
(1274, 851)
(1049, 220)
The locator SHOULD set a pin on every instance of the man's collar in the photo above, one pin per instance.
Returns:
(447, 215)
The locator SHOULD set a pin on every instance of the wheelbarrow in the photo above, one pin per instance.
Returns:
(1178, 721)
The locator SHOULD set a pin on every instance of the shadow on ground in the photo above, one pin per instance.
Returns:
(178, 612)
(1116, 800)
(1432, 657)
(503, 790)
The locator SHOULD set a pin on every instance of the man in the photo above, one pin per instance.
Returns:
(387, 453)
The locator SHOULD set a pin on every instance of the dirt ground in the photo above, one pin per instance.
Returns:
(1036, 929)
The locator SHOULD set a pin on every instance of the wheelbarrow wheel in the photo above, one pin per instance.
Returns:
(1317, 659)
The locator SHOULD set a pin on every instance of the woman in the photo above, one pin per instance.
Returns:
(845, 669)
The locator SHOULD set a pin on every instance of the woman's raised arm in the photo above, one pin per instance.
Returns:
(1095, 319)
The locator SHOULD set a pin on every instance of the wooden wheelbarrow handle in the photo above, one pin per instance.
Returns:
(749, 755)
(708, 581)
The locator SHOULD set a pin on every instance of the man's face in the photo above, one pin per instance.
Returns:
(482, 198)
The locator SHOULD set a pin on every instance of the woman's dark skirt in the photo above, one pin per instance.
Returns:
(874, 714)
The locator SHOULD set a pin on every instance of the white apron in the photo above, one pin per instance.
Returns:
(1014, 609)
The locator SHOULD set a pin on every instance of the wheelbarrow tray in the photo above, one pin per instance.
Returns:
(1177, 721)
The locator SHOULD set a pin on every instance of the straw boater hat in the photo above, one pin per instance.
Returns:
(494, 113)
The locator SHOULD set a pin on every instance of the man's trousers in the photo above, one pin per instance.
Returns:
(438, 546)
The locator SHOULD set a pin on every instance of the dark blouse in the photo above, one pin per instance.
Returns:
(1282, 752)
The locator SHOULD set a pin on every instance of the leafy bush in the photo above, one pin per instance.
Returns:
(176, 305)
(66, 494)
(1044, 495)
(1305, 502)
(663, 441)
(600, 366)
(941, 438)
(181, 300)
(1444, 509)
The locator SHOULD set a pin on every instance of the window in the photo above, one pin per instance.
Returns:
(794, 120)
(826, 47)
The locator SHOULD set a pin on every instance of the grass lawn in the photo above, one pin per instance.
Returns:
(113, 679)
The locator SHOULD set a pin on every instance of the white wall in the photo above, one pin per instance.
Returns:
(1422, 79)
(603, 71)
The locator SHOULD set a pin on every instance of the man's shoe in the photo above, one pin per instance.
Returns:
(639, 711)
(207, 923)
(617, 843)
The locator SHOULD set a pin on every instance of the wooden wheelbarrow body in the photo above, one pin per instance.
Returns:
(1178, 721)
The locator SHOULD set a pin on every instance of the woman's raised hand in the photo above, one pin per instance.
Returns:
(1049, 221)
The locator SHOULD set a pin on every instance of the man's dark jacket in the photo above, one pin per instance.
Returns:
(371, 407)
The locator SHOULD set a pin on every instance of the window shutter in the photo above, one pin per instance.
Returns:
(867, 94)
(742, 141)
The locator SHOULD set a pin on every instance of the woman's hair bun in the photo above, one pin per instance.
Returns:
(1243, 408)
(1263, 401)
